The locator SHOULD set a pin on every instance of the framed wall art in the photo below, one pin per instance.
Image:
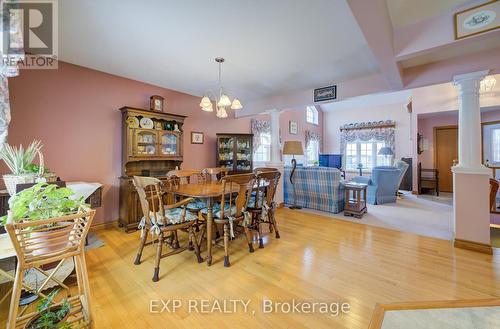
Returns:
(197, 137)
(477, 20)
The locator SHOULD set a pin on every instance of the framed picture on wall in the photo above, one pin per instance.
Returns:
(197, 137)
(293, 127)
(478, 19)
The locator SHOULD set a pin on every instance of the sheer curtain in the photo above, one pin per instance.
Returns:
(261, 130)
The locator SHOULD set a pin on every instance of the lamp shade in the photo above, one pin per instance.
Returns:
(236, 105)
(224, 100)
(205, 102)
(385, 151)
(293, 148)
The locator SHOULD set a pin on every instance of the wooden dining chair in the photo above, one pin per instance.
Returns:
(47, 241)
(215, 174)
(262, 205)
(232, 209)
(428, 179)
(160, 219)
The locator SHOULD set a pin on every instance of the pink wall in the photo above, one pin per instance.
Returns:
(299, 116)
(426, 128)
(74, 112)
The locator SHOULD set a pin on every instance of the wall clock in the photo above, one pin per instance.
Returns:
(156, 103)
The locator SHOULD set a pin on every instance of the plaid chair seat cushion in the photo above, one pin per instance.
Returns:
(196, 205)
(216, 210)
(316, 188)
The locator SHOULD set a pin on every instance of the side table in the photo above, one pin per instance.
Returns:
(355, 199)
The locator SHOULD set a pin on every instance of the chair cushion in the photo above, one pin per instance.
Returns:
(174, 216)
(196, 205)
(216, 211)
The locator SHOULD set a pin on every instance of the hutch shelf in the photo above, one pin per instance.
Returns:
(151, 146)
(234, 152)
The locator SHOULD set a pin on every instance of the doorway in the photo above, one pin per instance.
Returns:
(445, 154)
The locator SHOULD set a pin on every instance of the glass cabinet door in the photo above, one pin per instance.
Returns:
(243, 154)
(168, 144)
(145, 143)
(226, 152)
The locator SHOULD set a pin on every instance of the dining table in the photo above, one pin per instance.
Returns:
(208, 192)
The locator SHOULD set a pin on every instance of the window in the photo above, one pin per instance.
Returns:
(495, 144)
(263, 152)
(365, 153)
(312, 152)
(312, 115)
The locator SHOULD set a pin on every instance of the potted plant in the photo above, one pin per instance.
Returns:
(18, 160)
(43, 201)
(50, 317)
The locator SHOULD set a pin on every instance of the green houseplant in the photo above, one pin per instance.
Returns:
(50, 317)
(19, 161)
(43, 201)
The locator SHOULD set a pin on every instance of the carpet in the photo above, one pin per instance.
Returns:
(414, 214)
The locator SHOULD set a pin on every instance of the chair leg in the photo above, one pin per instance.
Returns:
(158, 257)
(248, 234)
(176, 243)
(144, 237)
(273, 223)
(192, 240)
(226, 246)
(14, 300)
(259, 229)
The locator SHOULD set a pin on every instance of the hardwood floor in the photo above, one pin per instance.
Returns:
(317, 259)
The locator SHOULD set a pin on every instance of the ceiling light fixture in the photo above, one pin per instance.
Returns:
(220, 102)
(488, 83)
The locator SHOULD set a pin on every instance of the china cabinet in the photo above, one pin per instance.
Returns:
(151, 146)
(235, 152)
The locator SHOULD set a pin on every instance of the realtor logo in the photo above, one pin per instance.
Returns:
(30, 28)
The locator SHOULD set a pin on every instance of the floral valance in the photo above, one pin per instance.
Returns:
(312, 136)
(368, 131)
(259, 127)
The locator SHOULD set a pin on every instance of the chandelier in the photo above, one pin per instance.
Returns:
(221, 102)
(487, 84)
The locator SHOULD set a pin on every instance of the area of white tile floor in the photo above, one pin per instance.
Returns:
(443, 318)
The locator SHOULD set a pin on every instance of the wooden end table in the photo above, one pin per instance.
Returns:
(355, 199)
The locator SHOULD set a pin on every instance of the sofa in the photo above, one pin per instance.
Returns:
(382, 185)
(317, 188)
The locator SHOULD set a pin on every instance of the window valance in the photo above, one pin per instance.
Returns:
(367, 131)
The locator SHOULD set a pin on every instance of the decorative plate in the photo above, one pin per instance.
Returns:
(147, 123)
(133, 122)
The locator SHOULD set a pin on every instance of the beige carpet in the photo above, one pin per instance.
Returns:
(419, 215)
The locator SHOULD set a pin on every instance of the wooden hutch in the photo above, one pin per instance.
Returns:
(151, 146)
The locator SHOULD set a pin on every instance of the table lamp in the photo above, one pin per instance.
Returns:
(387, 152)
(293, 148)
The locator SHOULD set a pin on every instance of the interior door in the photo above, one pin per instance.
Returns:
(446, 152)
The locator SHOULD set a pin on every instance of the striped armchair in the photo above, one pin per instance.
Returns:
(317, 188)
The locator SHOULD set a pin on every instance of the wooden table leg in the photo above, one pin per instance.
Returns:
(209, 230)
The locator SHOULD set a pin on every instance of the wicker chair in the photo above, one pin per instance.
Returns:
(232, 209)
(49, 241)
(262, 205)
(160, 219)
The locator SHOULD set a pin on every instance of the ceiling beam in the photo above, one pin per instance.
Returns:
(375, 24)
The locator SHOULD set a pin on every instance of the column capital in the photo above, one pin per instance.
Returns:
(470, 77)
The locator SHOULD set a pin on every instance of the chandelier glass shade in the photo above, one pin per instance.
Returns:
(222, 101)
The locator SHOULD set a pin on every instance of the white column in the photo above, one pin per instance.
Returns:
(469, 121)
(275, 136)
(470, 178)
(275, 152)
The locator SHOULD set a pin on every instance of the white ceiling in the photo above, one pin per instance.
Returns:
(270, 46)
(405, 12)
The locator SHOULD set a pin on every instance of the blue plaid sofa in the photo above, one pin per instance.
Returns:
(317, 188)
